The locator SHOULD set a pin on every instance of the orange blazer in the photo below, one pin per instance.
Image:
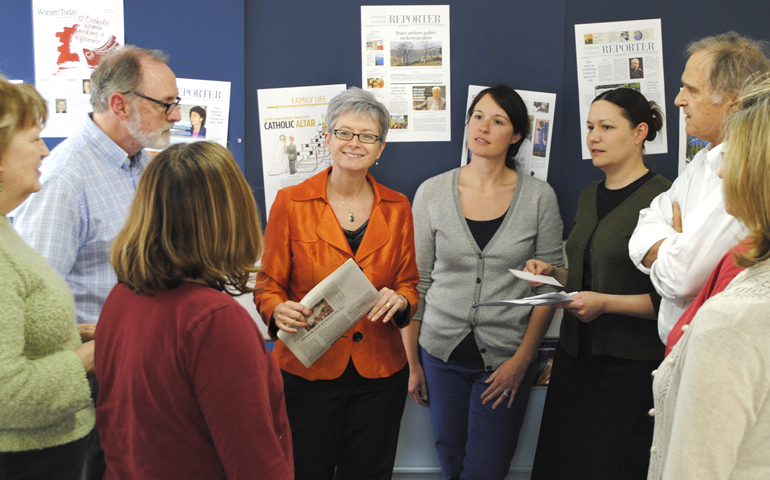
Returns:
(304, 243)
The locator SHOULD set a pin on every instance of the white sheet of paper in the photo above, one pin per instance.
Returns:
(545, 299)
(535, 278)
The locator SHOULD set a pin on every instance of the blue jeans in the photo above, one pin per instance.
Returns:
(473, 441)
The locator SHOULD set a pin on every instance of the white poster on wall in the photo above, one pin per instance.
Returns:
(70, 39)
(292, 126)
(621, 54)
(205, 111)
(405, 63)
(535, 152)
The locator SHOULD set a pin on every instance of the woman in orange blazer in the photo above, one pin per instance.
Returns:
(345, 410)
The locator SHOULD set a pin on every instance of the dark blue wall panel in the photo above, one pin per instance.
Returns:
(530, 45)
(297, 43)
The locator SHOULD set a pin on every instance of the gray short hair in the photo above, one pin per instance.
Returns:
(361, 104)
(119, 71)
(735, 59)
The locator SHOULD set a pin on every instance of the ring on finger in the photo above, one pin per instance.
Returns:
(506, 394)
(388, 306)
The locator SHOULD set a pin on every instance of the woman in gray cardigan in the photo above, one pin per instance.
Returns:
(471, 225)
(595, 421)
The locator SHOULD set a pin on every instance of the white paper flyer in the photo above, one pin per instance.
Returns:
(205, 111)
(70, 39)
(535, 152)
(405, 63)
(621, 54)
(292, 126)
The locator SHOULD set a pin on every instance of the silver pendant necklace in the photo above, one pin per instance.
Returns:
(352, 218)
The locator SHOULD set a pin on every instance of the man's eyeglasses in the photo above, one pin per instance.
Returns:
(362, 137)
(169, 106)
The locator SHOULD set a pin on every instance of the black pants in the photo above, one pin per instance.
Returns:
(596, 421)
(62, 462)
(95, 465)
(350, 423)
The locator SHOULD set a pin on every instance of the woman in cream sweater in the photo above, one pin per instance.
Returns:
(46, 411)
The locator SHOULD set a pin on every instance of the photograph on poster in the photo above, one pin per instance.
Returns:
(429, 98)
(415, 54)
(635, 67)
(399, 122)
(193, 124)
(540, 144)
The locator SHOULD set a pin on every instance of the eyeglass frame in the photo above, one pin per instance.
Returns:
(169, 106)
(376, 137)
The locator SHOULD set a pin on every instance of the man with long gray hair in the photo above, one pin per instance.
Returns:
(90, 179)
(682, 235)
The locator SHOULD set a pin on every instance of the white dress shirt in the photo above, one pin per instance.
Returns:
(685, 260)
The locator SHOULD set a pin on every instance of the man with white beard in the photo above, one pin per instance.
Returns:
(90, 179)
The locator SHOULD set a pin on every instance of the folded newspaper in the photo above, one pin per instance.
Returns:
(335, 304)
(545, 299)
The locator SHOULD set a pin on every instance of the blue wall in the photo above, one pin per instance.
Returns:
(530, 45)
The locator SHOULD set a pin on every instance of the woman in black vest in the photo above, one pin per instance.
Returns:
(595, 421)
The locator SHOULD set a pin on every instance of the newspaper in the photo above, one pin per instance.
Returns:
(335, 304)
(405, 63)
(625, 54)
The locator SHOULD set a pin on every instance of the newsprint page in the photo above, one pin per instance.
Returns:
(335, 304)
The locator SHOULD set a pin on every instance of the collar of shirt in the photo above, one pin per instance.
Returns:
(714, 158)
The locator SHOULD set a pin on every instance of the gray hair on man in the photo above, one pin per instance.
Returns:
(735, 60)
(363, 105)
(120, 71)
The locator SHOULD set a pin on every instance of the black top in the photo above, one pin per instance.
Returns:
(354, 240)
(354, 237)
(484, 230)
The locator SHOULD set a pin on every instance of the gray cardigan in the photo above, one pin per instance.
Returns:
(454, 273)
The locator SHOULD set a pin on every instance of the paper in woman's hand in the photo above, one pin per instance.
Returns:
(545, 299)
(535, 278)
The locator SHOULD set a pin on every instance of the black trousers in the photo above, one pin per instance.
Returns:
(350, 424)
(596, 421)
(62, 462)
(95, 466)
